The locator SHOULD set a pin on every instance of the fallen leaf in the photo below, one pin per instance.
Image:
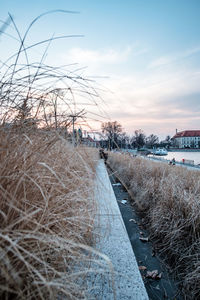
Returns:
(142, 268)
(153, 274)
(144, 239)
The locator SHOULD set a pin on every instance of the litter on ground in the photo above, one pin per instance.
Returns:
(142, 268)
(144, 239)
(153, 274)
(123, 201)
(132, 220)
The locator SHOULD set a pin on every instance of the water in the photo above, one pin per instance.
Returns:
(183, 155)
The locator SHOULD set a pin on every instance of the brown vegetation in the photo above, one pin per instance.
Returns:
(46, 215)
(169, 197)
(46, 186)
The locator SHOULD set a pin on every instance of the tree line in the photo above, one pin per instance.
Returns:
(117, 138)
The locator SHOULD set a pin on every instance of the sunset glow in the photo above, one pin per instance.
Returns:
(144, 56)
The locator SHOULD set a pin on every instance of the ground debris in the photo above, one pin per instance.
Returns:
(153, 274)
(157, 287)
(142, 268)
(116, 184)
(123, 201)
(132, 220)
(144, 239)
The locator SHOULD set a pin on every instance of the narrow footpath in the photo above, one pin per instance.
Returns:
(123, 280)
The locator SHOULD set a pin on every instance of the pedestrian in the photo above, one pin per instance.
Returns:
(173, 161)
(101, 152)
(105, 157)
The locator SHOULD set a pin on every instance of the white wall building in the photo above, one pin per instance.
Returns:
(187, 139)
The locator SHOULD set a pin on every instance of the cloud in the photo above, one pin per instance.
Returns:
(187, 103)
(106, 61)
(161, 61)
(191, 51)
(90, 57)
(158, 101)
(155, 99)
(174, 57)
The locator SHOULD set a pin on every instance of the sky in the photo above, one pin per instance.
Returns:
(143, 54)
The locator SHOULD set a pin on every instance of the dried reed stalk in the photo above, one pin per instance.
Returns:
(46, 215)
(46, 186)
(170, 199)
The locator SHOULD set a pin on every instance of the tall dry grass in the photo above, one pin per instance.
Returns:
(46, 186)
(46, 215)
(169, 197)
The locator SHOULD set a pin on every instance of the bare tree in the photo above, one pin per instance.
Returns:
(124, 140)
(112, 131)
(151, 140)
(139, 139)
(168, 138)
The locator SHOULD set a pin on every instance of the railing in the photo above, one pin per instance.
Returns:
(188, 161)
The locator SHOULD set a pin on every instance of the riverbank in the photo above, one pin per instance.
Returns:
(188, 165)
(183, 158)
(183, 150)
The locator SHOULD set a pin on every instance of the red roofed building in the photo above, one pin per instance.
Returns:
(187, 139)
(91, 141)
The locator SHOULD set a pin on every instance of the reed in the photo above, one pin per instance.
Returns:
(169, 198)
(47, 204)
(46, 186)
(46, 215)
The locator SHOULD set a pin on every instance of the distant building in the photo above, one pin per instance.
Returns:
(187, 139)
(95, 139)
(91, 142)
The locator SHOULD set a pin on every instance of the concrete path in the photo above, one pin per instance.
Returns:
(160, 159)
(125, 281)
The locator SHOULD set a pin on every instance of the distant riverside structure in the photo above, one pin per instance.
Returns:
(187, 139)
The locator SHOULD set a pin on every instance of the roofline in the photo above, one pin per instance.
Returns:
(186, 133)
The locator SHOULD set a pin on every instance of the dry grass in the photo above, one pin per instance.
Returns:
(170, 199)
(46, 215)
(46, 186)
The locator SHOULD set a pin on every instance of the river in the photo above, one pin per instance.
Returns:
(180, 155)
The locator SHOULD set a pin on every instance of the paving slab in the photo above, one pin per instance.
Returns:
(123, 280)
